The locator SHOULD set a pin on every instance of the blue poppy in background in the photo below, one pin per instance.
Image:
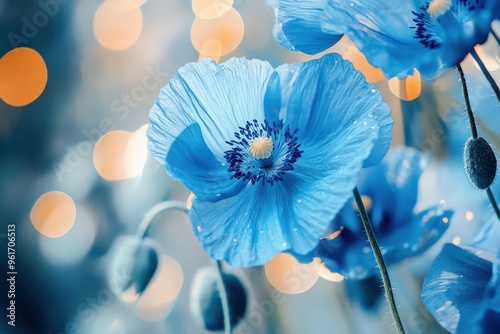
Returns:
(271, 155)
(396, 36)
(462, 290)
(389, 192)
(298, 25)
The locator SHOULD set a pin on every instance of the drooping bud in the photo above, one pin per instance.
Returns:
(480, 162)
(134, 264)
(206, 305)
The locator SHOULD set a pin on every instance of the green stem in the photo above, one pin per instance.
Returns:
(473, 129)
(380, 262)
(486, 73)
(495, 35)
(155, 211)
(223, 299)
(472, 121)
(493, 202)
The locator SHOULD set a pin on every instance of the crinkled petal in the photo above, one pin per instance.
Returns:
(350, 253)
(453, 289)
(392, 45)
(278, 33)
(262, 220)
(220, 98)
(190, 161)
(327, 99)
(300, 22)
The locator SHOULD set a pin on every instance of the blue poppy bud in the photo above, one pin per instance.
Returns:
(480, 162)
(135, 264)
(206, 305)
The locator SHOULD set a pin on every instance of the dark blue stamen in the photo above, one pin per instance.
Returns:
(425, 31)
(248, 168)
(428, 29)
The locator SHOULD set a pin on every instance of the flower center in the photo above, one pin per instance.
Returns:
(262, 151)
(261, 147)
(438, 7)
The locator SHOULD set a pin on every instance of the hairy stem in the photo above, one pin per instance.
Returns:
(380, 262)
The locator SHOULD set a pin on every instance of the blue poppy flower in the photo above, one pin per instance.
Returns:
(292, 18)
(397, 36)
(271, 155)
(462, 290)
(389, 191)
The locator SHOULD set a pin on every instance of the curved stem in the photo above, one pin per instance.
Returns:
(493, 202)
(223, 298)
(142, 231)
(472, 121)
(486, 73)
(380, 262)
(495, 35)
(474, 133)
(155, 211)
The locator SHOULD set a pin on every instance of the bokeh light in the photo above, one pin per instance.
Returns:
(359, 61)
(109, 155)
(189, 201)
(210, 9)
(289, 276)
(212, 48)
(125, 5)
(406, 89)
(116, 28)
(74, 245)
(469, 216)
(456, 240)
(23, 76)
(53, 214)
(327, 274)
(157, 301)
(136, 152)
(228, 29)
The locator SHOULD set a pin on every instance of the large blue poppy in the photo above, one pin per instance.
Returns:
(462, 290)
(389, 191)
(271, 155)
(397, 36)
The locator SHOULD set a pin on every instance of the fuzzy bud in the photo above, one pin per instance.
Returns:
(480, 162)
(134, 265)
(206, 305)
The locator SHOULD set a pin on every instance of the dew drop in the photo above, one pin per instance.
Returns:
(235, 240)
(355, 121)
(284, 245)
(299, 201)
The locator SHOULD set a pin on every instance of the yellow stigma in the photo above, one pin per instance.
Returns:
(261, 147)
(438, 7)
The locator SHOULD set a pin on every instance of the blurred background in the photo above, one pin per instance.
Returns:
(77, 80)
